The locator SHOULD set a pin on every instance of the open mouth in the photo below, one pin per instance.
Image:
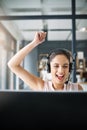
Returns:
(60, 77)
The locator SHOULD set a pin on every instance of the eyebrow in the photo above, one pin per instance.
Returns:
(63, 64)
(66, 64)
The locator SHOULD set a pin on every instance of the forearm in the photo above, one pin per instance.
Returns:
(20, 55)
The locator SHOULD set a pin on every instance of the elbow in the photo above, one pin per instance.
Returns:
(12, 66)
(8, 64)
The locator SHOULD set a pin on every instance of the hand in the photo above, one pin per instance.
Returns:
(39, 37)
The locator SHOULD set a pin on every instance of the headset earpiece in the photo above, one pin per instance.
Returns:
(48, 65)
(70, 67)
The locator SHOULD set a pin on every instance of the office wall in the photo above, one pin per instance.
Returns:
(47, 46)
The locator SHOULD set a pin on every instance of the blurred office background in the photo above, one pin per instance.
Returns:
(65, 22)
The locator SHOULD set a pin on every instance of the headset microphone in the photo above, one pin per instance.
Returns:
(67, 79)
(66, 82)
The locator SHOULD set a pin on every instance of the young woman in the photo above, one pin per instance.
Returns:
(58, 61)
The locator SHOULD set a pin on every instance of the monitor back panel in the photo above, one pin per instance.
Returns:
(42, 109)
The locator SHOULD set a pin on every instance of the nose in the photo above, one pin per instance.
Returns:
(60, 69)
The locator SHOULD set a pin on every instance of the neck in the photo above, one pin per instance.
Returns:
(58, 87)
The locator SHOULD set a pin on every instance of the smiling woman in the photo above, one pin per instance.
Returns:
(59, 65)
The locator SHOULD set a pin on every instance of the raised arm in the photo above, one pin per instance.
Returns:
(14, 64)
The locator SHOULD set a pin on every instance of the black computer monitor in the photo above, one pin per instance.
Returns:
(42, 109)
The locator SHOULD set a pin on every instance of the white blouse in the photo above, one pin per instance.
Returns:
(69, 87)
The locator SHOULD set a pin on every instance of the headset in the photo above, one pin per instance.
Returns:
(60, 51)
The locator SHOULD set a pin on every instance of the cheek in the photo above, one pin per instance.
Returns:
(67, 71)
(52, 69)
(53, 72)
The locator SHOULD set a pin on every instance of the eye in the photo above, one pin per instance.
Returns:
(56, 66)
(65, 66)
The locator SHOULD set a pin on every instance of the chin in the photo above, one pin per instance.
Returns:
(61, 82)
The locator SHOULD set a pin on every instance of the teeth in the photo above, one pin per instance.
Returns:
(60, 75)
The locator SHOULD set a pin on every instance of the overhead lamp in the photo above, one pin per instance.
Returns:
(83, 29)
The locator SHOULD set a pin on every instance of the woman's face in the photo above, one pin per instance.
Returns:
(59, 69)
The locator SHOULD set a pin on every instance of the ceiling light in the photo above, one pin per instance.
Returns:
(83, 29)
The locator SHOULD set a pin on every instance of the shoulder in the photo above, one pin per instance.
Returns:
(78, 85)
(47, 83)
(75, 86)
(48, 86)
